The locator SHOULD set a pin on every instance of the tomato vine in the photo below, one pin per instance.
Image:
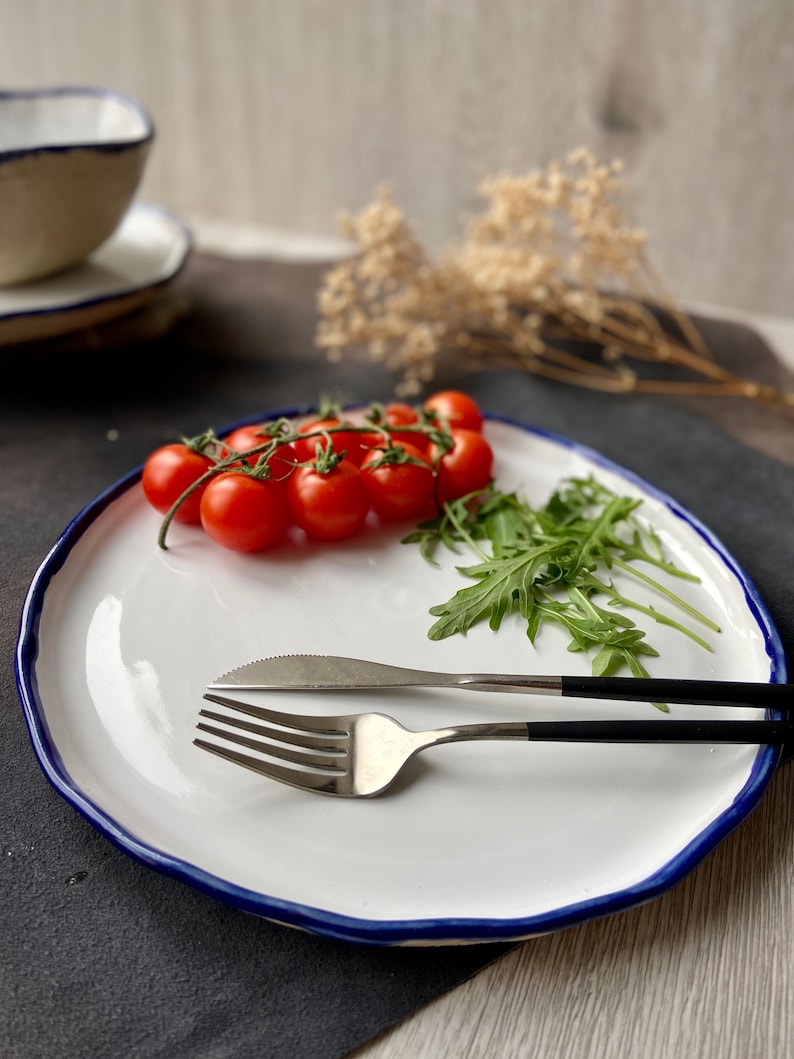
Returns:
(394, 449)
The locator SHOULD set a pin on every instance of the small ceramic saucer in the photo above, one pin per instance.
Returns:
(147, 251)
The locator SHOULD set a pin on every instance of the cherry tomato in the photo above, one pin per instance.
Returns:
(457, 408)
(281, 462)
(167, 473)
(399, 490)
(398, 414)
(465, 467)
(349, 442)
(244, 438)
(328, 506)
(244, 514)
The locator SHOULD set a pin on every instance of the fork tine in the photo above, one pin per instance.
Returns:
(282, 735)
(322, 725)
(328, 762)
(316, 781)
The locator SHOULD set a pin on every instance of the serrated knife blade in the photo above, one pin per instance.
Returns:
(308, 672)
(301, 672)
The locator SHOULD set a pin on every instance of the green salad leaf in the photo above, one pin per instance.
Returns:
(554, 565)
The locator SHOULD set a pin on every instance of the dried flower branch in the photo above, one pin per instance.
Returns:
(550, 278)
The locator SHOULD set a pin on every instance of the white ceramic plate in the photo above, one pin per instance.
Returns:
(487, 841)
(146, 252)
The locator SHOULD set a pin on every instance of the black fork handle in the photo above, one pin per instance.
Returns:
(769, 733)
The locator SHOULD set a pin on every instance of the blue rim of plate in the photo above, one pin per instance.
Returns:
(66, 307)
(96, 91)
(387, 932)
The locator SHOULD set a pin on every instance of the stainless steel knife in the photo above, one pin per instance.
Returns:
(334, 673)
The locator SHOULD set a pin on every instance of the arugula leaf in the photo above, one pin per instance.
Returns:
(503, 584)
(548, 566)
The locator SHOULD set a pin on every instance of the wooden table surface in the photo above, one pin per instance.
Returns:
(706, 970)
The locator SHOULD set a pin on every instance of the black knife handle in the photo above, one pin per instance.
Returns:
(694, 692)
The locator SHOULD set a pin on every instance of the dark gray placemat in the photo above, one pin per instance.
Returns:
(100, 956)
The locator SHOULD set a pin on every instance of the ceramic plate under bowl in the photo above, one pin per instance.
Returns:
(483, 841)
(147, 252)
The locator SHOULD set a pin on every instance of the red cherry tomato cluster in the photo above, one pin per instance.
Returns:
(324, 475)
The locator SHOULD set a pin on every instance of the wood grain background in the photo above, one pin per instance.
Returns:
(279, 114)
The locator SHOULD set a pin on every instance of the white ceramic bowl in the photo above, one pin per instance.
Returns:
(71, 160)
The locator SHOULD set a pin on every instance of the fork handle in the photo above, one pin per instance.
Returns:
(771, 733)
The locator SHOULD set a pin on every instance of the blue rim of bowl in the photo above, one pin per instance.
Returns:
(126, 292)
(436, 931)
(58, 91)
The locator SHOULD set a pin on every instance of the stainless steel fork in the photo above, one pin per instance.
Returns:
(360, 755)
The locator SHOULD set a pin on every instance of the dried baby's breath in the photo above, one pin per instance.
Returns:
(549, 278)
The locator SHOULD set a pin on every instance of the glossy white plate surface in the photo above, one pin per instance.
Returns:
(146, 252)
(483, 841)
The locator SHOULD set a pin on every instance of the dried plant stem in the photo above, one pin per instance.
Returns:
(569, 368)
(509, 357)
(636, 345)
(662, 297)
